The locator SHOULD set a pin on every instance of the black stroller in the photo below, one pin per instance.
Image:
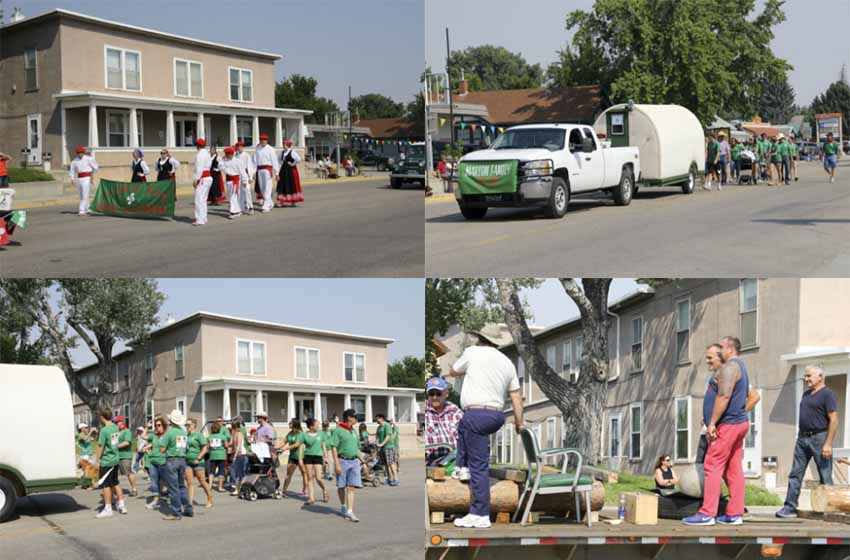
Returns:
(261, 480)
(373, 467)
(746, 163)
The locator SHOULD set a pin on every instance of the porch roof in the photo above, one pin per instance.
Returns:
(84, 98)
(810, 353)
(218, 383)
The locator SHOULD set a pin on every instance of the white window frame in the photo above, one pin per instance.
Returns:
(634, 343)
(189, 64)
(632, 407)
(741, 311)
(182, 373)
(252, 395)
(553, 350)
(123, 51)
(688, 358)
(551, 438)
(576, 370)
(508, 445)
(567, 366)
(125, 412)
(149, 365)
(150, 406)
(34, 68)
(676, 401)
(354, 367)
(307, 349)
(241, 70)
(185, 400)
(251, 344)
(609, 431)
(526, 379)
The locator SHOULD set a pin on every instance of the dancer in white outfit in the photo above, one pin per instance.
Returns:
(265, 160)
(246, 187)
(82, 172)
(234, 174)
(202, 182)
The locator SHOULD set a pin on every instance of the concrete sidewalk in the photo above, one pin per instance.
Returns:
(54, 193)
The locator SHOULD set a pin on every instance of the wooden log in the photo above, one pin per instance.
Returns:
(831, 499)
(435, 473)
(503, 517)
(559, 504)
(507, 473)
(453, 496)
(823, 517)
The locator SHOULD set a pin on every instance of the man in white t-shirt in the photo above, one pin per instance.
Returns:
(488, 377)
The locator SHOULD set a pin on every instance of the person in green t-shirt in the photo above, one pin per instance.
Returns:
(173, 445)
(107, 457)
(831, 153)
(736, 149)
(384, 439)
(763, 153)
(795, 155)
(326, 435)
(196, 465)
(313, 458)
(218, 441)
(295, 445)
(346, 454)
(712, 160)
(125, 454)
(155, 461)
(783, 147)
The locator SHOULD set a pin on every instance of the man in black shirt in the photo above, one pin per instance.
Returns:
(818, 424)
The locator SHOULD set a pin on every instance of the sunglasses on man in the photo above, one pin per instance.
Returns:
(434, 393)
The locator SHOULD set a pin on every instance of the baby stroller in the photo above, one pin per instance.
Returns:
(261, 480)
(374, 471)
(747, 163)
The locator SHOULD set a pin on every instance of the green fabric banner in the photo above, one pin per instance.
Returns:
(488, 177)
(154, 199)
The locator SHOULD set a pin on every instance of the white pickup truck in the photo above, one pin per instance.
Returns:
(544, 165)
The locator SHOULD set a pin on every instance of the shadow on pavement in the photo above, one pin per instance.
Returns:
(803, 221)
(47, 504)
(321, 508)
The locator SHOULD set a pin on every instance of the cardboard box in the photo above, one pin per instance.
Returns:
(641, 508)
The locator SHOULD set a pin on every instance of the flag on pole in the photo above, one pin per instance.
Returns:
(19, 218)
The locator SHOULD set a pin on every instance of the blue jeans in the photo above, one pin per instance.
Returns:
(786, 169)
(155, 472)
(237, 469)
(473, 445)
(808, 447)
(175, 470)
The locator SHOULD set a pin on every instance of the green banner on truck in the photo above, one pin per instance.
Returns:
(154, 199)
(487, 177)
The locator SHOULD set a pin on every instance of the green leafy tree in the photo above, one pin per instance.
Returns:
(20, 341)
(711, 57)
(488, 67)
(375, 106)
(836, 99)
(407, 372)
(98, 312)
(776, 104)
(299, 92)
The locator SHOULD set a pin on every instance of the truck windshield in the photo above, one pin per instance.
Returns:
(551, 139)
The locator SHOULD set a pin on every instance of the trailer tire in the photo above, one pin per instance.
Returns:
(691, 182)
(559, 199)
(624, 191)
(8, 497)
(472, 212)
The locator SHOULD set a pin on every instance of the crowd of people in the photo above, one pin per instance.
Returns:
(177, 455)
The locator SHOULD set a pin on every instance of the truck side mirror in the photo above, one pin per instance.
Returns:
(587, 145)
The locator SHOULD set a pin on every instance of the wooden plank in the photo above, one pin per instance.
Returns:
(435, 473)
(503, 517)
(829, 517)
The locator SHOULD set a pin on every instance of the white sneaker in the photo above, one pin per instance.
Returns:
(122, 509)
(464, 521)
(104, 513)
(472, 521)
(461, 473)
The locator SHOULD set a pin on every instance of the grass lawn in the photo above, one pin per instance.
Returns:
(754, 495)
(27, 175)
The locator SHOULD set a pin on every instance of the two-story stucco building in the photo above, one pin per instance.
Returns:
(70, 79)
(210, 365)
(658, 375)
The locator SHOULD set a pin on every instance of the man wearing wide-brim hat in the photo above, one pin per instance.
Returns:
(265, 432)
(173, 446)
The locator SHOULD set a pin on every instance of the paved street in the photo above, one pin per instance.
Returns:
(63, 526)
(802, 229)
(356, 228)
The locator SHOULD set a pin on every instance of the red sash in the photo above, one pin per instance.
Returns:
(82, 174)
(268, 168)
(233, 179)
(205, 173)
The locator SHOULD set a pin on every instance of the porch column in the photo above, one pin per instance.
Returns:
(170, 141)
(391, 407)
(347, 401)
(317, 406)
(290, 406)
(258, 405)
(234, 134)
(278, 132)
(255, 130)
(203, 409)
(134, 128)
(64, 124)
(413, 409)
(225, 403)
(200, 127)
(93, 140)
(369, 416)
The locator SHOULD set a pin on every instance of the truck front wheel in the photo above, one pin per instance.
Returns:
(7, 499)
(473, 212)
(690, 183)
(623, 192)
(395, 183)
(559, 199)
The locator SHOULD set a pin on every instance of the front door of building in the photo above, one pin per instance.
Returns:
(304, 408)
(752, 444)
(33, 139)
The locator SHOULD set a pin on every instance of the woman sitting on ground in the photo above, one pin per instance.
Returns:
(665, 477)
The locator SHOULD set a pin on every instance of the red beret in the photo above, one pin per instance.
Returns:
(287, 142)
(200, 142)
(80, 149)
(228, 150)
(264, 136)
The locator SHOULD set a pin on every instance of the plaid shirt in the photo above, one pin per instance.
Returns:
(441, 427)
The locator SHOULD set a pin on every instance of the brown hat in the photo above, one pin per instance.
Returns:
(484, 338)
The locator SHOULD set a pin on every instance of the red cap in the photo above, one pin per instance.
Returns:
(80, 149)
(287, 142)
(239, 143)
(228, 150)
(200, 142)
(264, 136)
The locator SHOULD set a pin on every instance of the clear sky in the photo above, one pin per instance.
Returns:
(813, 38)
(389, 308)
(550, 304)
(373, 45)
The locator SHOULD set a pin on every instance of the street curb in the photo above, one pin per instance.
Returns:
(181, 192)
(443, 197)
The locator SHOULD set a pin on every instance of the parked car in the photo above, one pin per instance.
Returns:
(410, 168)
(380, 161)
(542, 166)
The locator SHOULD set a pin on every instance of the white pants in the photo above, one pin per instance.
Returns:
(233, 193)
(265, 179)
(202, 191)
(84, 186)
(246, 196)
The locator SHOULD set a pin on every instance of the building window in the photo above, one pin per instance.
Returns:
(181, 405)
(359, 406)
(123, 69)
(614, 436)
(524, 379)
(188, 78)
(637, 344)
(245, 130)
(245, 404)
(683, 330)
(31, 69)
(636, 413)
(125, 411)
(683, 429)
(578, 350)
(178, 361)
(149, 412)
(118, 128)
(306, 363)
(241, 85)
(355, 367)
(567, 366)
(149, 369)
(551, 439)
(251, 357)
(550, 357)
(749, 299)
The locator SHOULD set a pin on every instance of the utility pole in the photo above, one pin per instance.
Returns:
(350, 125)
(449, 86)
(429, 149)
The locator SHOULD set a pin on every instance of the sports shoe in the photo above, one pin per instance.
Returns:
(170, 517)
(122, 509)
(730, 520)
(461, 473)
(786, 512)
(107, 512)
(152, 505)
(698, 519)
(343, 511)
(351, 517)
(473, 521)
(188, 513)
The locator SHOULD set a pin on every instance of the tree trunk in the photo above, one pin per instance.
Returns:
(831, 499)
